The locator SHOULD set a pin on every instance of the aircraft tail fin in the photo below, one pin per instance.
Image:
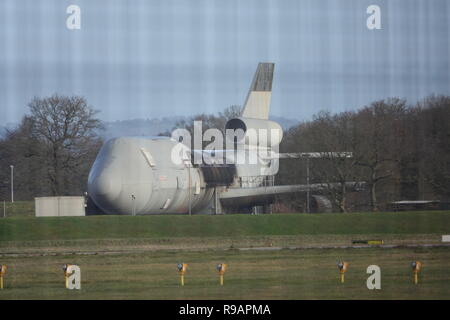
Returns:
(257, 104)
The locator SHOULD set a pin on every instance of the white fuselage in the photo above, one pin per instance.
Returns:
(134, 175)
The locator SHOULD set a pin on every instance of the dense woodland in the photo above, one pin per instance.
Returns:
(401, 150)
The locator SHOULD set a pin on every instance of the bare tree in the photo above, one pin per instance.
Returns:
(402, 153)
(66, 127)
(333, 134)
(433, 118)
(378, 140)
(327, 134)
(20, 149)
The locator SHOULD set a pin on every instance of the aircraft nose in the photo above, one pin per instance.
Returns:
(120, 180)
(105, 185)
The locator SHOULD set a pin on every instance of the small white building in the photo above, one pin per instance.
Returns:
(60, 206)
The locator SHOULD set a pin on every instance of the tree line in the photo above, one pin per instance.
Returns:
(401, 151)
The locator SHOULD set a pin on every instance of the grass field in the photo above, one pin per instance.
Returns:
(17, 209)
(117, 227)
(124, 257)
(284, 274)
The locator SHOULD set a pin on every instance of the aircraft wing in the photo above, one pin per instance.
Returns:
(244, 196)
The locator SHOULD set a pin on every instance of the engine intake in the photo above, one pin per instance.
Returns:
(255, 131)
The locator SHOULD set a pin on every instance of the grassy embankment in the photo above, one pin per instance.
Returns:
(152, 245)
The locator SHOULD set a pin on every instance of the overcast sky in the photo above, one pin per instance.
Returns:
(146, 59)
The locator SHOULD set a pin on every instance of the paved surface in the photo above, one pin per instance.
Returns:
(143, 250)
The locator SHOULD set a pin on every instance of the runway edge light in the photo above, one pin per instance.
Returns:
(66, 275)
(72, 276)
(182, 267)
(221, 268)
(416, 267)
(342, 266)
(2, 274)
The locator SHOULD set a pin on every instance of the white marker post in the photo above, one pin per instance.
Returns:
(12, 183)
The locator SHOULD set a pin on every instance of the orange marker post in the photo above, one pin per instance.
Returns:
(2, 274)
(221, 268)
(66, 275)
(342, 266)
(182, 267)
(416, 267)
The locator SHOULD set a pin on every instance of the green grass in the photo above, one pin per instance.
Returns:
(17, 209)
(136, 256)
(285, 274)
(169, 226)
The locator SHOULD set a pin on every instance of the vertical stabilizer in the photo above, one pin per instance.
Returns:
(257, 105)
